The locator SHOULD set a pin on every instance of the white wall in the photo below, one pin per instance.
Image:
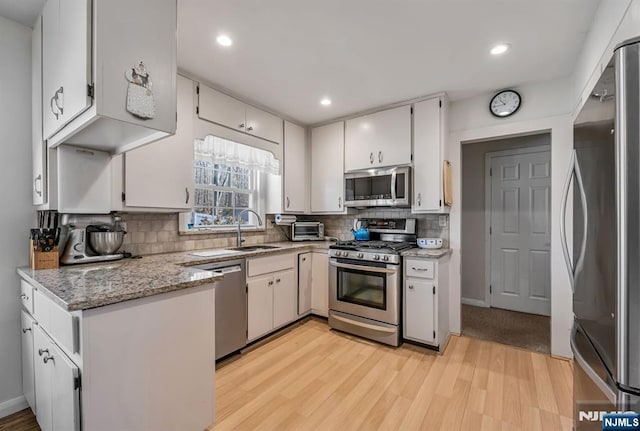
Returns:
(16, 212)
(546, 108)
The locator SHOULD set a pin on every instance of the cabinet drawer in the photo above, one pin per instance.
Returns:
(268, 264)
(61, 325)
(26, 296)
(420, 268)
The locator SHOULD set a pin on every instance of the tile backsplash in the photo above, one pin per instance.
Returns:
(158, 233)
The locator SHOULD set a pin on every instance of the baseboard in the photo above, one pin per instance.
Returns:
(475, 302)
(12, 406)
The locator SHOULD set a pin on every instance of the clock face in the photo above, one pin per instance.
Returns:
(505, 103)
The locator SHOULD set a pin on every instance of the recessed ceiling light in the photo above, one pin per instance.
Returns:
(224, 40)
(500, 49)
(325, 101)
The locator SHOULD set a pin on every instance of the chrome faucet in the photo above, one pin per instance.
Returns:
(240, 240)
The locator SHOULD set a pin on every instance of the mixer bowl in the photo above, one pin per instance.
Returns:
(104, 243)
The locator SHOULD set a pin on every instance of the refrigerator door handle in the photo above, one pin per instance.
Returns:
(585, 216)
(563, 217)
(582, 363)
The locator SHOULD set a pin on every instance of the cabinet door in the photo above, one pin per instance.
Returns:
(427, 158)
(37, 144)
(320, 284)
(379, 139)
(419, 311)
(51, 80)
(160, 175)
(219, 108)
(65, 395)
(263, 124)
(74, 57)
(43, 383)
(285, 298)
(28, 372)
(260, 306)
(295, 168)
(304, 282)
(327, 168)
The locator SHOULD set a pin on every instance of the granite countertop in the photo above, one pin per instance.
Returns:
(85, 286)
(426, 253)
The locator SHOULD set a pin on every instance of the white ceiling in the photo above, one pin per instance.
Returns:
(288, 54)
(23, 11)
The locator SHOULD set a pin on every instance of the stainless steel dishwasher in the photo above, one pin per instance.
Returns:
(231, 305)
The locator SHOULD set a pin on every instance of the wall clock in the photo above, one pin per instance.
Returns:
(505, 103)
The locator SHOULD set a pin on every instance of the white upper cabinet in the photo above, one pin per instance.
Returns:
(428, 155)
(89, 47)
(379, 139)
(295, 168)
(160, 175)
(327, 168)
(222, 109)
(38, 152)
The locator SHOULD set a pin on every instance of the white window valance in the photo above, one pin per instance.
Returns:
(219, 150)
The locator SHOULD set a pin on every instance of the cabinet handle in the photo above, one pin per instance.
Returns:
(25, 330)
(304, 259)
(371, 158)
(288, 202)
(24, 296)
(271, 283)
(410, 286)
(186, 190)
(55, 114)
(380, 156)
(419, 199)
(35, 184)
(277, 280)
(339, 201)
(241, 126)
(47, 359)
(419, 269)
(60, 92)
(250, 128)
(43, 351)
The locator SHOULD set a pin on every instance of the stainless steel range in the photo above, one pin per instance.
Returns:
(365, 280)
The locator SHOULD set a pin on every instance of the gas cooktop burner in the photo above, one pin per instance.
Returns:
(373, 246)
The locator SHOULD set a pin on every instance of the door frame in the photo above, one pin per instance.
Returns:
(488, 158)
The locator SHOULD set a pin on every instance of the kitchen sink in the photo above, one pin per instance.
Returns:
(254, 248)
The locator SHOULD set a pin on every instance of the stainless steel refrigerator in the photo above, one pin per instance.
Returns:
(604, 259)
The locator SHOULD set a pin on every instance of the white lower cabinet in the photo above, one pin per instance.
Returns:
(57, 388)
(272, 294)
(426, 301)
(320, 283)
(305, 272)
(28, 377)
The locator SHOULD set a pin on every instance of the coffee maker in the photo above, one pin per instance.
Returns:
(90, 238)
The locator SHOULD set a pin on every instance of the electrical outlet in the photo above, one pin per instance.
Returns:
(442, 221)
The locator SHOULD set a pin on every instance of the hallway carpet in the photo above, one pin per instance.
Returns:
(528, 331)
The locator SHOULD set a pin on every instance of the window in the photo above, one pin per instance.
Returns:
(229, 178)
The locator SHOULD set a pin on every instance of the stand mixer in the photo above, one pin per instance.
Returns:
(90, 238)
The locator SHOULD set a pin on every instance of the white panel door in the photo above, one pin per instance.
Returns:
(74, 51)
(419, 309)
(521, 232)
(305, 269)
(263, 124)
(327, 168)
(28, 376)
(65, 396)
(222, 109)
(37, 145)
(295, 168)
(51, 80)
(260, 306)
(160, 175)
(320, 284)
(427, 158)
(43, 381)
(285, 297)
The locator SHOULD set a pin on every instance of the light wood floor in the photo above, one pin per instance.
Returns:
(314, 378)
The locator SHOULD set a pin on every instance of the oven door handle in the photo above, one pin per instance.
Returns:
(363, 268)
(364, 325)
(394, 181)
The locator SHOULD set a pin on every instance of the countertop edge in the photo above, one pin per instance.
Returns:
(422, 253)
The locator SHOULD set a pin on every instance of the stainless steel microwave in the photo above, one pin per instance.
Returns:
(307, 231)
(388, 187)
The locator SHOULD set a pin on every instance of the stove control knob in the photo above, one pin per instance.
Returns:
(385, 258)
(360, 255)
(345, 254)
(376, 257)
(337, 253)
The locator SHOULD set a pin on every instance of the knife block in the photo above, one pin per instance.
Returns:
(43, 259)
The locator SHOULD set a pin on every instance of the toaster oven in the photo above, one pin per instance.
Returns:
(307, 231)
